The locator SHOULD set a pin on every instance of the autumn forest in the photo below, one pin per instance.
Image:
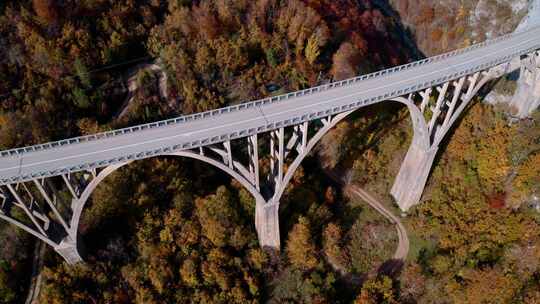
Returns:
(172, 230)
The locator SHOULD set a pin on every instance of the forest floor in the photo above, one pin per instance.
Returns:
(402, 249)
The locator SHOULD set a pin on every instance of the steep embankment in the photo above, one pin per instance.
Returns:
(439, 26)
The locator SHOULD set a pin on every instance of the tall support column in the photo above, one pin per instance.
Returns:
(267, 211)
(304, 130)
(227, 146)
(253, 150)
(277, 155)
(281, 154)
(413, 175)
(67, 181)
(63, 242)
(48, 199)
(267, 224)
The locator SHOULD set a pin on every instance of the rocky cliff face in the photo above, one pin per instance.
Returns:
(443, 25)
(526, 98)
(492, 18)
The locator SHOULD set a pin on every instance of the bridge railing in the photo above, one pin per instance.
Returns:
(248, 105)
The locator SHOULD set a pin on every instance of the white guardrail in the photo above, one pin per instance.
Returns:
(268, 100)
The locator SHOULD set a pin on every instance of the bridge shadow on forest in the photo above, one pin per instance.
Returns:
(381, 126)
(391, 268)
(405, 34)
(389, 110)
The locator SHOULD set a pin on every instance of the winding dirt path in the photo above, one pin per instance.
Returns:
(35, 281)
(403, 239)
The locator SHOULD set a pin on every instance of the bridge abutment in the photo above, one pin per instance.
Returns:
(527, 96)
(267, 224)
(413, 175)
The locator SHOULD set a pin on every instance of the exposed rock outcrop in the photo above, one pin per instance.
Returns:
(527, 96)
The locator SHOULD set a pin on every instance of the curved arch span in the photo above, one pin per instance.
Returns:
(416, 117)
(81, 202)
(266, 220)
(90, 188)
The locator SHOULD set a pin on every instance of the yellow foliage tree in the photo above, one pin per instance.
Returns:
(333, 249)
(312, 51)
(377, 290)
(527, 180)
(300, 248)
(484, 286)
(493, 160)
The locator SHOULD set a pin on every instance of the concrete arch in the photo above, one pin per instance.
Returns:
(420, 127)
(421, 143)
(491, 75)
(81, 202)
(416, 117)
(267, 213)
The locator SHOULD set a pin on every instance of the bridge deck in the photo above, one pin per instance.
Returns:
(49, 162)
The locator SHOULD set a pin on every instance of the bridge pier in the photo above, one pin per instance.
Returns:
(527, 97)
(413, 175)
(267, 224)
(70, 251)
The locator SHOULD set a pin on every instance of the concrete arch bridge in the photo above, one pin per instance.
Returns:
(435, 90)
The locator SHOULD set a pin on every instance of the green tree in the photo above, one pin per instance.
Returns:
(82, 73)
(7, 294)
(80, 98)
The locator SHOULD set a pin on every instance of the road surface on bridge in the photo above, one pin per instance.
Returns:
(43, 161)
